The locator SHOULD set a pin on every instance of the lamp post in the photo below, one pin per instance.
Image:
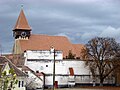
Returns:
(53, 51)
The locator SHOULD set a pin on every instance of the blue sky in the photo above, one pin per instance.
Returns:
(79, 20)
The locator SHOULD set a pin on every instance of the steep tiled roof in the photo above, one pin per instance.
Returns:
(44, 42)
(3, 60)
(16, 59)
(26, 69)
(22, 22)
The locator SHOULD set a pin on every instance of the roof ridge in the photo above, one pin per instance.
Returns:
(48, 35)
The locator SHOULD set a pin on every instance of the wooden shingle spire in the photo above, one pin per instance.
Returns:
(22, 22)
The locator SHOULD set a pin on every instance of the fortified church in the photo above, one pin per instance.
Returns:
(25, 40)
(38, 57)
(35, 57)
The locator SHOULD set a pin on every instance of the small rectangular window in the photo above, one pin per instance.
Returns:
(22, 83)
(26, 72)
(19, 84)
(37, 71)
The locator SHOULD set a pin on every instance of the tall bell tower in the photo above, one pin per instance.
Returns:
(22, 30)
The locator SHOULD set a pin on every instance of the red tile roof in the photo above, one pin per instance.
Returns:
(16, 59)
(18, 72)
(44, 42)
(22, 22)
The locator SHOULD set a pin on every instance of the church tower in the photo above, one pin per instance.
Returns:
(22, 29)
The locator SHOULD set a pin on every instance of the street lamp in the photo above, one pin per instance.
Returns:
(53, 51)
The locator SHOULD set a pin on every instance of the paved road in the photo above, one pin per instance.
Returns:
(77, 89)
(89, 88)
(74, 89)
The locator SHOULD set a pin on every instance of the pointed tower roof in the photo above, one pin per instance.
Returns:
(22, 22)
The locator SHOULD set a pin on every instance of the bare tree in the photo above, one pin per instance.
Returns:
(100, 55)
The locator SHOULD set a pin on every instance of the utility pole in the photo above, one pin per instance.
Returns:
(52, 50)
(54, 70)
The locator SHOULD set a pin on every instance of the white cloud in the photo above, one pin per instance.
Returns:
(68, 35)
(107, 32)
(111, 32)
(62, 34)
(88, 35)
